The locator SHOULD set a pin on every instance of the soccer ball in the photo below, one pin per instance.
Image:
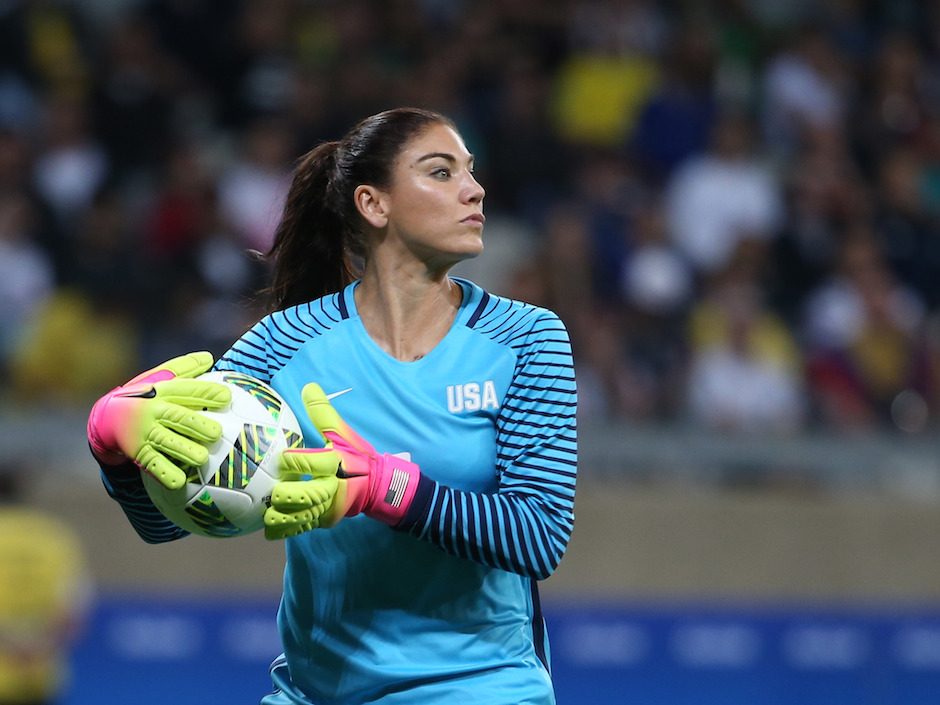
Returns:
(227, 496)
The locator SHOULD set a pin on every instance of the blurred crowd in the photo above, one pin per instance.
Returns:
(733, 204)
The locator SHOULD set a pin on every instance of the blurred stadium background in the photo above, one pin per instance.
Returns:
(733, 204)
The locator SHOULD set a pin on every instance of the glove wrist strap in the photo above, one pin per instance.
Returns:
(394, 490)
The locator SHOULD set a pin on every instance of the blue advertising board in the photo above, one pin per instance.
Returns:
(207, 652)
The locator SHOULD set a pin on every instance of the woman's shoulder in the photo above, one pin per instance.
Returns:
(507, 317)
(317, 315)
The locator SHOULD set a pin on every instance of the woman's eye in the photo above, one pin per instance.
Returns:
(441, 173)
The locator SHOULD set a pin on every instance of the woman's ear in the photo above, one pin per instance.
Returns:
(372, 204)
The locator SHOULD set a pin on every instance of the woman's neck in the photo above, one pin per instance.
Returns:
(407, 315)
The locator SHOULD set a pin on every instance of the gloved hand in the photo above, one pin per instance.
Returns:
(306, 489)
(344, 478)
(154, 420)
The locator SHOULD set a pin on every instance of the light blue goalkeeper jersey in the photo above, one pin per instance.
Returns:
(443, 608)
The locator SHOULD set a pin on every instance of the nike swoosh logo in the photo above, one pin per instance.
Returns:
(336, 394)
(148, 394)
(343, 475)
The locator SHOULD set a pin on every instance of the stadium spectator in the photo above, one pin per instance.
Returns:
(725, 195)
(864, 339)
(45, 594)
(252, 189)
(195, 34)
(608, 189)
(27, 274)
(824, 190)
(524, 160)
(133, 100)
(259, 62)
(658, 289)
(16, 180)
(908, 233)
(676, 122)
(893, 99)
(805, 88)
(70, 165)
(745, 366)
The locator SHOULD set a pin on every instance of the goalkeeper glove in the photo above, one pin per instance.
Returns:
(305, 490)
(344, 478)
(152, 419)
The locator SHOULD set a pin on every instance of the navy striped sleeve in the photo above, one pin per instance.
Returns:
(125, 486)
(525, 526)
(273, 341)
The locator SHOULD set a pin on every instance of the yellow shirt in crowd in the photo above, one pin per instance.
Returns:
(44, 592)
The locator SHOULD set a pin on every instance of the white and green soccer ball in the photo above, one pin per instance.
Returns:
(227, 496)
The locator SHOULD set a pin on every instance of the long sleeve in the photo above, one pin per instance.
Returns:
(525, 526)
(124, 485)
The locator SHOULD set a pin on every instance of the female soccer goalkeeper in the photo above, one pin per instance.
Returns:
(445, 487)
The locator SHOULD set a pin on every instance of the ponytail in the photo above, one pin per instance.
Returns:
(311, 244)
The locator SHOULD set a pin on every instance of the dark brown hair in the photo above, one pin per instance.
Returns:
(319, 245)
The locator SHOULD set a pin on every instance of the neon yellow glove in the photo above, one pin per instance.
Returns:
(305, 491)
(344, 478)
(153, 419)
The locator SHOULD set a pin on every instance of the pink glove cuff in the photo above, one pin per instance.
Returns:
(99, 446)
(394, 490)
(100, 432)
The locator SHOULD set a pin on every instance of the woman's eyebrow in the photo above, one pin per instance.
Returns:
(441, 155)
(434, 155)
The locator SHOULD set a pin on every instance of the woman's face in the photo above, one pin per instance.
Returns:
(434, 206)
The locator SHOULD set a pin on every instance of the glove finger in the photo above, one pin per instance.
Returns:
(306, 463)
(276, 533)
(190, 365)
(174, 446)
(315, 399)
(277, 517)
(194, 393)
(189, 424)
(289, 497)
(278, 525)
(314, 496)
(328, 421)
(161, 468)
